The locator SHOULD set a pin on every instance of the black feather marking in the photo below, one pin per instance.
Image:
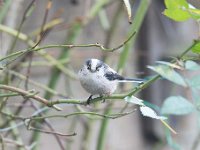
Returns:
(99, 65)
(88, 63)
(113, 76)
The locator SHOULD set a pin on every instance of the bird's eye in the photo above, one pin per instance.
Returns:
(97, 69)
(88, 67)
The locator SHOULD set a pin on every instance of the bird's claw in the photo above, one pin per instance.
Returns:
(89, 99)
(103, 99)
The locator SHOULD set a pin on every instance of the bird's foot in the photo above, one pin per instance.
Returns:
(103, 99)
(89, 99)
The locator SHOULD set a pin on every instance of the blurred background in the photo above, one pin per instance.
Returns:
(52, 72)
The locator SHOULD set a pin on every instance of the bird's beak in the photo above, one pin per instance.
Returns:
(92, 70)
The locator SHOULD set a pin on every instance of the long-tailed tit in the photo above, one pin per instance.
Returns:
(97, 78)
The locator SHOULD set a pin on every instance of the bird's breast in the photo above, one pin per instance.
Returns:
(97, 84)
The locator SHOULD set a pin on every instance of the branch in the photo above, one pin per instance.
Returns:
(50, 132)
(31, 43)
(109, 116)
(30, 119)
(27, 12)
(88, 45)
(36, 84)
(28, 94)
(17, 143)
(22, 52)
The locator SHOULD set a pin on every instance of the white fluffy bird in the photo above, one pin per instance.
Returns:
(97, 78)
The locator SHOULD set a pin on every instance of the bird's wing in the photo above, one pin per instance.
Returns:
(111, 76)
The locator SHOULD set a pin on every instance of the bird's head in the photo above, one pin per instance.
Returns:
(94, 65)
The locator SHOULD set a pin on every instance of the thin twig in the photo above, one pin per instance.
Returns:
(26, 93)
(25, 15)
(43, 32)
(2, 142)
(50, 132)
(6, 140)
(109, 116)
(39, 112)
(40, 38)
(37, 84)
(12, 116)
(12, 127)
(44, 54)
(22, 52)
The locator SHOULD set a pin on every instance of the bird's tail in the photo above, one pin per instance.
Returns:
(132, 80)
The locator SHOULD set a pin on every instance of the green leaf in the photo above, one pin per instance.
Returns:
(196, 47)
(148, 112)
(195, 13)
(137, 101)
(194, 82)
(151, 105)
(176, 4)
(172, 65)
(169, 74)
(196, 98)
(191, 65)
(145, 110)
(177, 14)
(177, 105)
(134, 100)
(180, 10)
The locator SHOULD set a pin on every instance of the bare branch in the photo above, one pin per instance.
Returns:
(26, 93)
(51, 132)
(22, 52)
(109, 116)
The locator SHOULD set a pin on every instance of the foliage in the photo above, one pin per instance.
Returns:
(180, 10)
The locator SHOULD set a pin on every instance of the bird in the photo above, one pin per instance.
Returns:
(97, 78)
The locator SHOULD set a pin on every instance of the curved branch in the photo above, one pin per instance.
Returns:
(109, 116)
(50, 132)
(22, 52)
(28, 94)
